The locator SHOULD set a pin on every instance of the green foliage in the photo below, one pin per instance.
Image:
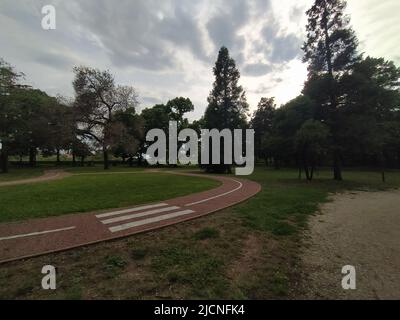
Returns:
(227, 105)
(331, 45)
(177, 109)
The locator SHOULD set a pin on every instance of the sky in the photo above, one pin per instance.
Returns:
(167, 48)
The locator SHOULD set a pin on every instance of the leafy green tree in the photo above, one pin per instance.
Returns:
(330, 50)
(227, 104)
(372, 109)
(262, 123)
(10, 115)
(177, 108)
(98, 99)
(61, 131)
(128, 132)
(156, 117)
(279, 144)
(311, 143)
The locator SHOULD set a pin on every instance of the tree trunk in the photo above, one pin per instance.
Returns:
(276, 163)
(383, 166)
(4, 160)
(337, 169)
(130, 162)
(105, 156)
(140, 159)
(73, 159)
(82, 161)
(58, 156)
(307, 172)
(32, 156)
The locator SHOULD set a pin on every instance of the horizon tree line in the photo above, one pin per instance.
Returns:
(348, 113)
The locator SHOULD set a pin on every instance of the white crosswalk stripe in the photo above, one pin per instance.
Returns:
(116, 213)
(161, 210)
(150, 220)
(138, 215)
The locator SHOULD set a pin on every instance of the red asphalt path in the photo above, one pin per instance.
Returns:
(40, 236)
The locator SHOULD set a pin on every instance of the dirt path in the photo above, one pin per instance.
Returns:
(47, 176)
(360, 229)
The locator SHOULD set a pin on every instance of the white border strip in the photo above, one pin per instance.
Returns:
(36, 233)
(218, 196)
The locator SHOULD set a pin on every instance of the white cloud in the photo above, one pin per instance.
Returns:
(168, 48)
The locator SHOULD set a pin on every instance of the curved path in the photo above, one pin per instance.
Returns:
(48, 175)
(40, 236)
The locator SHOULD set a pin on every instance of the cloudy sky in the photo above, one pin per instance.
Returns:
(167, 48)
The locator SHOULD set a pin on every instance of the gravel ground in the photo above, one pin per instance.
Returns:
(361, 229)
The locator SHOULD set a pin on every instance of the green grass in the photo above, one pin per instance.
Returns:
(93, 192)
(249, 251)
(206, 233)
(190, 266)
(20, 174)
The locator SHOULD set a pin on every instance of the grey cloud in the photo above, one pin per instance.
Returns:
(54, 60)
(256, 69)
(149, 101)
(143, 33)
(284, 48)
(182, 30)
(263, 89)
(224, 26)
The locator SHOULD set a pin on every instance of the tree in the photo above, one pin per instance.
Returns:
(9, 113)
(262, 123)
(330, 50)
(62, 129)
(227, 104)
(311, 141)
(177, 109)
(156, 117)
(80, 149)
(97, 101)
(279, 144)
(127, 133)
(372, 109)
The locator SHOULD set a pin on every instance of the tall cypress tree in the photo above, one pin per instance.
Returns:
(227, 104)
(331, 51)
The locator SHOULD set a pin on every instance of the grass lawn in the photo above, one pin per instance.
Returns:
(246, 252)
(20, 174)
(90, 192)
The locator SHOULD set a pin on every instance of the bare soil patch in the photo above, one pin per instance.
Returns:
(361, 229)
